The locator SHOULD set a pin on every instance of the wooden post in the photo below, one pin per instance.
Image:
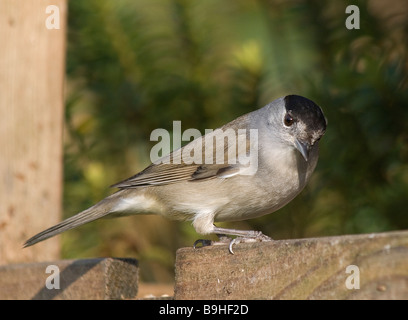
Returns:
(368, 266)
(32, 69)
(103, 278)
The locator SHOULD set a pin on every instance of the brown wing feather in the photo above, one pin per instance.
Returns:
(166, 173)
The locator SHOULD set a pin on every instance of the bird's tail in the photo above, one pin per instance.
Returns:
(99, 210)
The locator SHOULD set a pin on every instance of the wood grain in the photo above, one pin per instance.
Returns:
(297, 269)
(104, 278)
(32, 71)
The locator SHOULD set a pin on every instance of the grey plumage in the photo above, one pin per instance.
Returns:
(288, 130)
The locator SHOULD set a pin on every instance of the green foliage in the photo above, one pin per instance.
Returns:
(134, 66)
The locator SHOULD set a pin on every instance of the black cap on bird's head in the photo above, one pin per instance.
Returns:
(310, 122)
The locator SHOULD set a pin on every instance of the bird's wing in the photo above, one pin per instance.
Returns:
(174, 168)
(160, 174)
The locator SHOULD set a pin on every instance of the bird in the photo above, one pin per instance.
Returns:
(265, 165)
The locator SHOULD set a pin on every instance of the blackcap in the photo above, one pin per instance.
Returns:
(252, 166)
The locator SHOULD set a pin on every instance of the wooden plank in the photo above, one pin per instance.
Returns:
(155, 291)
(105, 278)
(32, 69)
(315, 268)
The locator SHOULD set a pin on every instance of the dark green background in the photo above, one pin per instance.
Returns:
(137, 65)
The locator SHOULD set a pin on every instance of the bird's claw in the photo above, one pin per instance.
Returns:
(203, 242)
(259, 237)
(223, 240)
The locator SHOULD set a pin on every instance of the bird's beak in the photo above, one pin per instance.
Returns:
(303, 148)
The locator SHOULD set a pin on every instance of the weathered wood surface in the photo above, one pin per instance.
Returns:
(297, 269)
(105, 278)
(155, 291)
(32, 70)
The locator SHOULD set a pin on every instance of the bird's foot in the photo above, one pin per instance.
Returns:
(255, 236)
(258, 238)
(222, 240)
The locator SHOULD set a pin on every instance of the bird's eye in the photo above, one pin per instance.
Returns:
(288, 120)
